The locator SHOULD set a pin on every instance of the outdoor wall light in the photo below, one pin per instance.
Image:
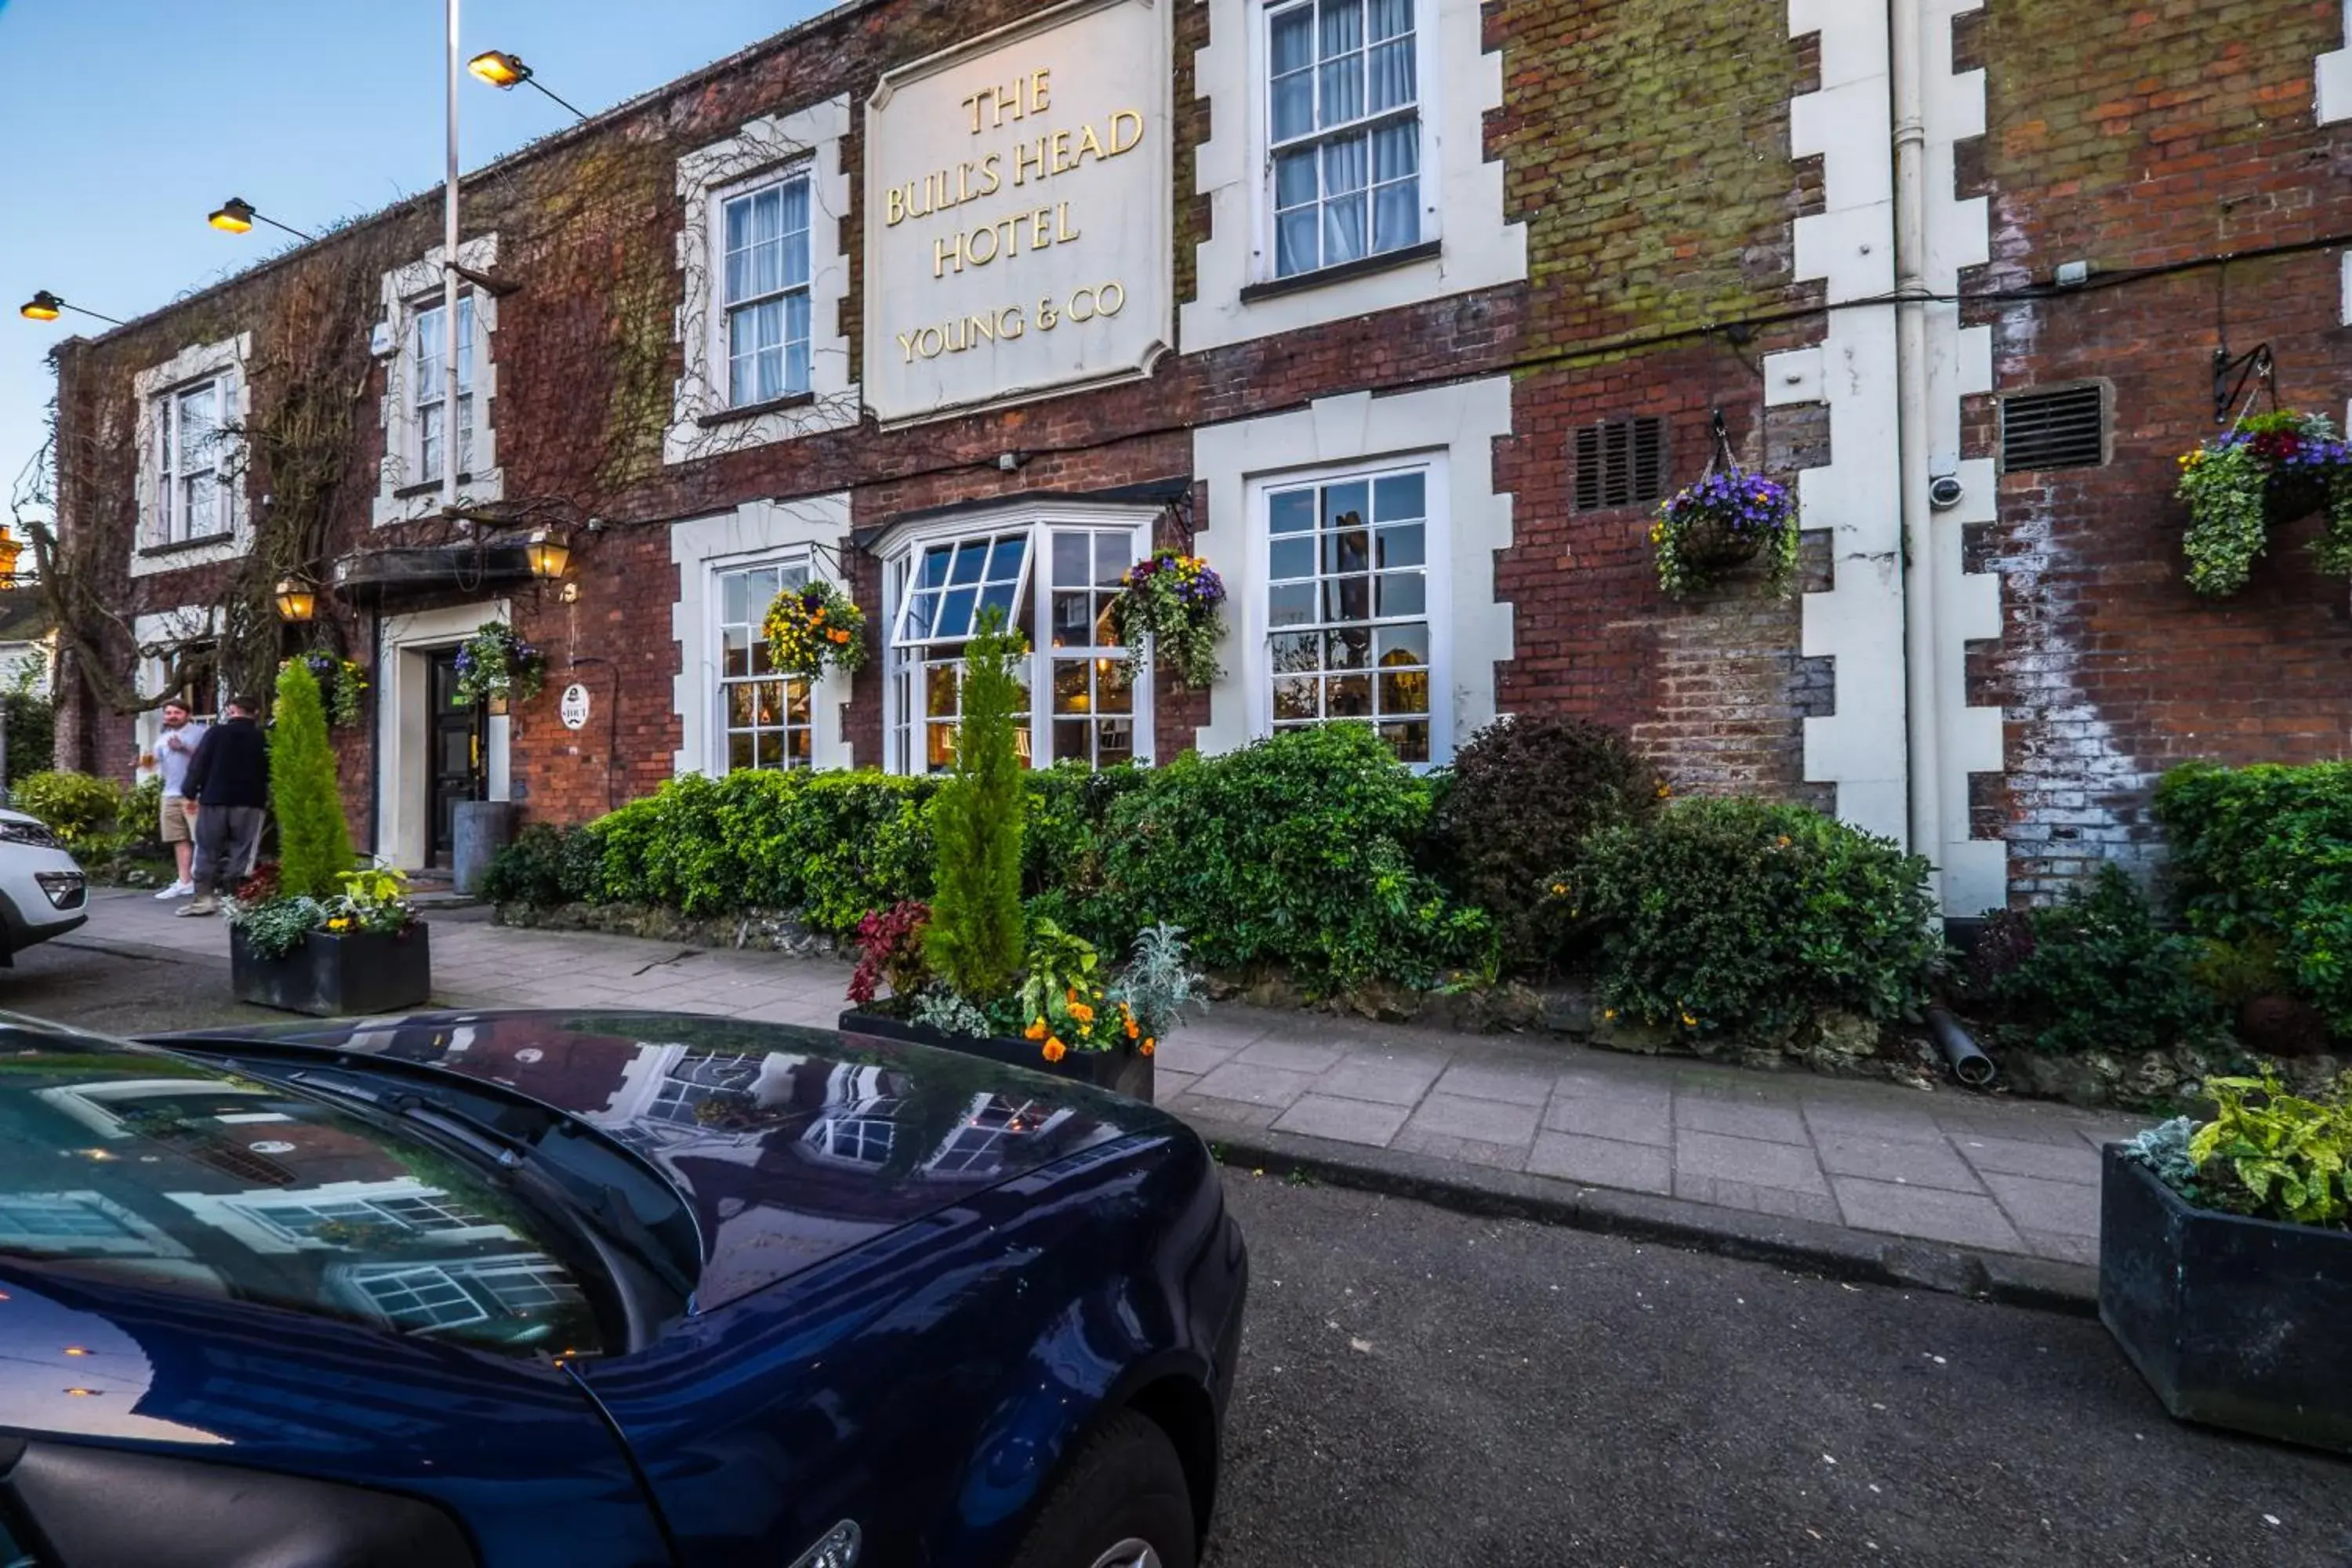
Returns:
(237, 216)
(296, 601)
(548, 552)
(45, 306)
(505, 72)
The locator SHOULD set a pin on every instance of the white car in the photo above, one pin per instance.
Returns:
(43, 892)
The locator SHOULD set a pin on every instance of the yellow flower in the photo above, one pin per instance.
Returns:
(1689, 1022)
(1665, 790)
(1559, 889)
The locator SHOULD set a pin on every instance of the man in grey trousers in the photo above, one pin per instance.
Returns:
(228, 788)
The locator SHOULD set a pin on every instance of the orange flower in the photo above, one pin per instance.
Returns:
(1133, 1029)
(1146, 1047)
(1082, 1013)
(1055, 1051)
(1036, 1029)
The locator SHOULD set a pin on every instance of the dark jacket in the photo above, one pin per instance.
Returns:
(231, 767)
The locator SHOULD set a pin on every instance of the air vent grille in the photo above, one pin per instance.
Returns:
(1621, 463)
(2062, 428)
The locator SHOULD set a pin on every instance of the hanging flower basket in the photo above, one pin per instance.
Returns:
(343, 686)
(1171, 603)
(2271, 468)
(496, 667)
(810, 627)
(1729, 518)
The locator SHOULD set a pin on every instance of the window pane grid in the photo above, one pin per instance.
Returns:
(1345, 135)
(764, 291)
(430, 393)
(765, 719)
(1346, 599)
(187, 450)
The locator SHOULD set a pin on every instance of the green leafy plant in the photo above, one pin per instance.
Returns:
(2288, 1154)
(1299, 851)
(2262, 859)
(343, 686)
(2268, 466)
(1724, 916)
(274, 928)
(1170, 602)
(31, 717)
(76, 807)
(812, 626)
(544, 866)
(1726, 517)
(2165, 1150)
(2095, 972)
(373, 899)
(314, 843)
(1523, 796)
(975, 938)
(1160, 982)
(941, 1009)
(496, 665)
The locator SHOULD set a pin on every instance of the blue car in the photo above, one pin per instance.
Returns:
(602, 1290)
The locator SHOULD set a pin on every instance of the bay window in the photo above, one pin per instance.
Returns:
(1347, 600)
(1054, 580)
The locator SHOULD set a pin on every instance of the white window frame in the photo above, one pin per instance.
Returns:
(428, 340)
(906, 670)
(805, 144)
(156, 543)
(1366, 124)
(404, 493)
(722, 730)
(176, 467)
(721, 348)
(1437, 600)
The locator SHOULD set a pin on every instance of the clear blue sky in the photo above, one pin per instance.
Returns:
(123, 123)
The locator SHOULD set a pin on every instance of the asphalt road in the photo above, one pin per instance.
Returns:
(122, 991)
(1420, 1388)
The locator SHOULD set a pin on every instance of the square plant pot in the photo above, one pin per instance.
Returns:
(1122, 1071)
(2234, 1322)
(337, 976)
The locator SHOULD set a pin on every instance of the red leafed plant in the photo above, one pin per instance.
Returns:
(261, 886)
(891, 949)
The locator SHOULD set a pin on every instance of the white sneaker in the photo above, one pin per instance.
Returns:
(177, 890)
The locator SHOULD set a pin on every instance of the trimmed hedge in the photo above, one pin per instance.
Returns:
(2262, 859)
(1734, 915)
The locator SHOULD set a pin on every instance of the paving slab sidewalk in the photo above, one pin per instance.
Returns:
(1951, 1168)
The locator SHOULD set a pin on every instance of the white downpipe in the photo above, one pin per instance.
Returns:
(449, 422)
(1907, 59)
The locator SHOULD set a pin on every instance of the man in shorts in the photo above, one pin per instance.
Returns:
(175, 749)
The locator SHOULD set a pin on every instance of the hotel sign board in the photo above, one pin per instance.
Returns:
(1018, 196)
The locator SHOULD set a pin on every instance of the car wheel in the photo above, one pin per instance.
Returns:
(1123, 1504)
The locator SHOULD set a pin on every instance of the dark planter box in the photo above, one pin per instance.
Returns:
(2234, 1322)
(1126, 1072)
(337, 976)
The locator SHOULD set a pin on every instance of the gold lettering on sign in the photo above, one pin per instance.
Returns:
(1030, 95)
(1009, 323)
(1032, 231)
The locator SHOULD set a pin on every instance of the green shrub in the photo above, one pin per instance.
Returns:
(1299, 851)
(545, 865)
(2265, 852)
(314, 842)
(1733, 915)
(1066, 843)
(1523, 796)
(975, 937)
(833, 845)
(2277, 1155)
(76, 807)
(32, 721)
(2095, 972)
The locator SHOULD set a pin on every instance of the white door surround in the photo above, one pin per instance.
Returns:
(403, 677)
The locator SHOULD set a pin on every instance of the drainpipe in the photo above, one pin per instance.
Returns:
(449, 281)
(1907, 50)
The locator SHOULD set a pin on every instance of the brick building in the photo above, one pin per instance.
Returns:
(1404, 313)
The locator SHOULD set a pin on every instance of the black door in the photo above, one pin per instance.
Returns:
(455, 744)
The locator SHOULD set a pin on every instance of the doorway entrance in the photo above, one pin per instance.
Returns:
(454, 743)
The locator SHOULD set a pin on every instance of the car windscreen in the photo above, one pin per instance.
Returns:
(145, 1167)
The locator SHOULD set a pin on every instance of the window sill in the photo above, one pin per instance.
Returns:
(744, 411)
(1362, 267)
(430, 488)
(149, 551)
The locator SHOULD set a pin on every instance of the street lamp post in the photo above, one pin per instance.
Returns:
(505, 72)
(451, 424)
(237, 216)
(45, 306)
